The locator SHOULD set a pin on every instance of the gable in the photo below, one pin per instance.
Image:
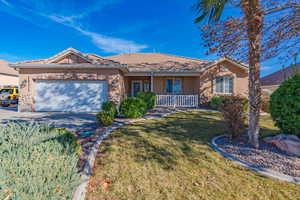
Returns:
(71, 59)
(69, 56)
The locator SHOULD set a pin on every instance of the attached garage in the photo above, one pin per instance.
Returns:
(70, 96)
(69, 82)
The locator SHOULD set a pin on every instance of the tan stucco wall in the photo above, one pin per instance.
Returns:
(269, 88)
(8, 80)
(120, 85)
(189, 84)
(28, 78)
(240, 81)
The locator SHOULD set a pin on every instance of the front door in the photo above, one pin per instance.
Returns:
(136, 86)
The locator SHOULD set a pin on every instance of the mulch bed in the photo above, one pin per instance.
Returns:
(267, 156)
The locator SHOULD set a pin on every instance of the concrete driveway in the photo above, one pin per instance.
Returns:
(73, 121)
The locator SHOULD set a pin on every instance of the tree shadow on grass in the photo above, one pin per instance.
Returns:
(177, 133)
(163, 140)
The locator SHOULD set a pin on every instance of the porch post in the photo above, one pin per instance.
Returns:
(152, 82)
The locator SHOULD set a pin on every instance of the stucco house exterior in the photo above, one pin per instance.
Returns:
(80, 82)
(8, 76)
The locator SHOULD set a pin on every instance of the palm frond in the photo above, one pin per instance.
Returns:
(211, 9)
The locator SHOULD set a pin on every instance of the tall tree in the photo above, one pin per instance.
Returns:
(238, 35)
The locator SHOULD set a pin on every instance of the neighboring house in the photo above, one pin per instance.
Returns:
(271, 82)
(8, 76)
(73, 81)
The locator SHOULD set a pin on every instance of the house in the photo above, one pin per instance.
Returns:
(272, 81)
(8, 76)
(79, 82)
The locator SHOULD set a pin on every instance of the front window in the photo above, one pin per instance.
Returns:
(173, 86)
(224, 85)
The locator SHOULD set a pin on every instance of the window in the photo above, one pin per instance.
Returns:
(224, 85)
(173, 86)
(136, 86)
(146, 86)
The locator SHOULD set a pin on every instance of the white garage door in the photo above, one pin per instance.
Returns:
(70, 96)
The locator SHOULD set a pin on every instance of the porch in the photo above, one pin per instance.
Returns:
(171, 91)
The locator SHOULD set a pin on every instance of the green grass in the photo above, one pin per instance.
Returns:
(171, 159)
(37, 163)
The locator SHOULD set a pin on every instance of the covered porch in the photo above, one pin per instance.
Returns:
(172, 90)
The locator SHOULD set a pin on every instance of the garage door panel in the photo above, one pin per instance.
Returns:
(70, 96)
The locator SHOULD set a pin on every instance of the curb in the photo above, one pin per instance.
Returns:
(260, 170)
(81, 190)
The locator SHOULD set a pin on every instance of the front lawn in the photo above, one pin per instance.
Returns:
(170, 158)
(37, 162)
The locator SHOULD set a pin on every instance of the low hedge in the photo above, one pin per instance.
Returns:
(37, 162)
(148, 97)
(133, 107)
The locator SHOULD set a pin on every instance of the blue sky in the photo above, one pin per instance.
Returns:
(34, 29)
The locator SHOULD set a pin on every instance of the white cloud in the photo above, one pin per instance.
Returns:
(73, 20)
(105, 43)
(4, 2)
(113, 45)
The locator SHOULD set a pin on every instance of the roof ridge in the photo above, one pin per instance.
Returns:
(166, 54)
(282, 70)
(182, 57)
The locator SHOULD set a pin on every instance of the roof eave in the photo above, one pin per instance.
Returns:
(62, 66)
(9, 74)
(164, 71)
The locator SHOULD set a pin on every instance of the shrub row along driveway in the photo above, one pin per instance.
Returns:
(170, 158)
(73, 121)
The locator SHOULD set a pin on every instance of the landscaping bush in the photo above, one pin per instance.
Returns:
(105, 118)
(232, 108)
(215, 102)
(148, 97)
(285, 106)
(37, 162)
(110, 107)
(133, 107)
(107, 115)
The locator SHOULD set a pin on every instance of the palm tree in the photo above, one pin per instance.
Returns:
(253, 15)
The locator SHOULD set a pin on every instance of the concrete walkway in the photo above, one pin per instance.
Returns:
(72, 121)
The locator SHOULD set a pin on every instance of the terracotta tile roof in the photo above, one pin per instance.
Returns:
(278, 77)
(5, 69)
(159, 62)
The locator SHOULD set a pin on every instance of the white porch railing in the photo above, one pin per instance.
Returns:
(177, 100)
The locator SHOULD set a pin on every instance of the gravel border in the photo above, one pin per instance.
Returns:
(81, 190)
(263, 171)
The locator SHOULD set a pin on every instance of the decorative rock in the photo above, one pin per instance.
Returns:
(287, 143)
